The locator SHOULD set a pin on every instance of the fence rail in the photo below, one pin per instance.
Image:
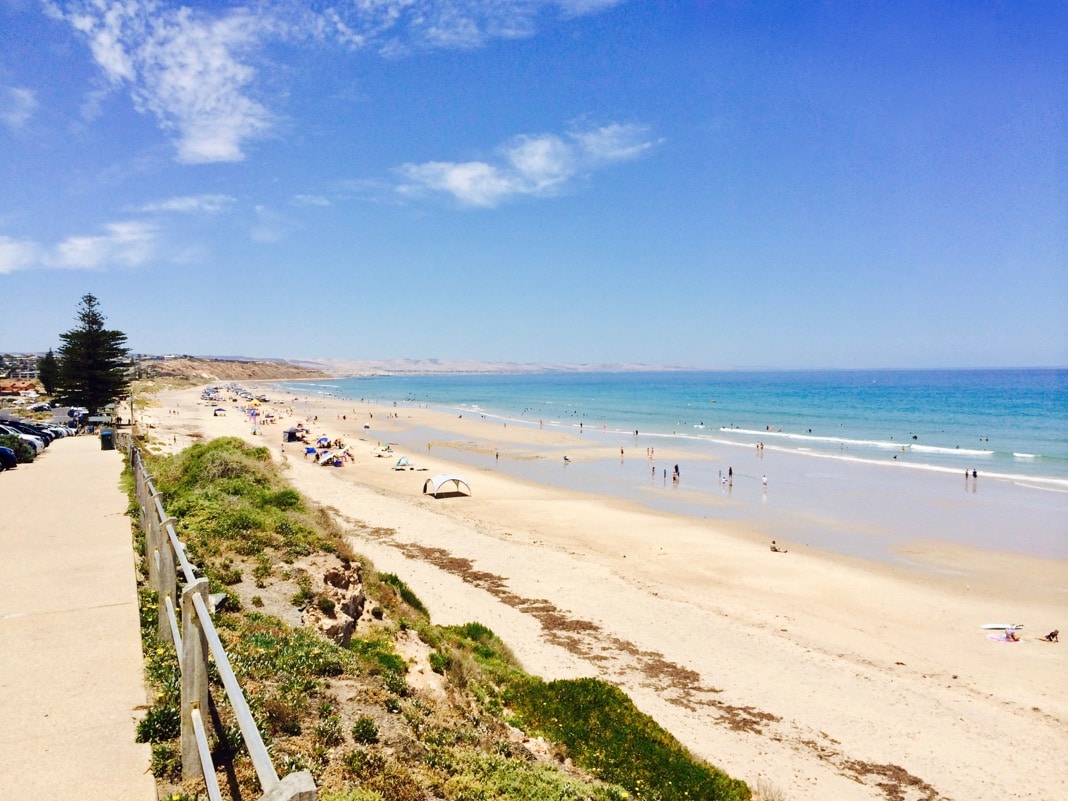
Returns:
(194, 638)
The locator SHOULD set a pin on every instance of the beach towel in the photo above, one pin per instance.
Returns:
(1000, 638)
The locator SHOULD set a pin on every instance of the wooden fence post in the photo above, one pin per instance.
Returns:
(168, 582)
(194, 659)
(152, 546)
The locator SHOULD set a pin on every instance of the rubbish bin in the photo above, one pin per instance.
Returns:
(107, 440)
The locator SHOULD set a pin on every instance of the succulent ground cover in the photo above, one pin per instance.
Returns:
(357, 716)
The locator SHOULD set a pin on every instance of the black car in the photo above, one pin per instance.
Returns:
(7, 459)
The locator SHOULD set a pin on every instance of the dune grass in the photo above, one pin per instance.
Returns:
(348, 714)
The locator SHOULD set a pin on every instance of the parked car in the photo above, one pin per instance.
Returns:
(36, 442)
(32, 429)
(7, 459)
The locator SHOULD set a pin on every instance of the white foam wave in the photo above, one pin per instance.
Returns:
(935, 449)
(886, 445)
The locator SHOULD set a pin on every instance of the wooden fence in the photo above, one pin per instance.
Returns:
(185, 619)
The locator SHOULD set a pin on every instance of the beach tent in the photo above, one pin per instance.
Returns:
(438, 481)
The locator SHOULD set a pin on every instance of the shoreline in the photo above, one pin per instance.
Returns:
(889, 442)
(892, 502)
(799, 669)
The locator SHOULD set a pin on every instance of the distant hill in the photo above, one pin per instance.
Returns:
(340, 367)
(199, 370)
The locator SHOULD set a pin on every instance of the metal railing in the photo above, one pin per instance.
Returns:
(194, 638)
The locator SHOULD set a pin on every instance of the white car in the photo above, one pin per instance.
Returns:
(36, 442)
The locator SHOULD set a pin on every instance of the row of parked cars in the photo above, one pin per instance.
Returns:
(30, 436)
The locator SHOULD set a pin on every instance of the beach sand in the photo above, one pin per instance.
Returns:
(821, 675)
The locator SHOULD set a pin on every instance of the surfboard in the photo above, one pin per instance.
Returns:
(1002, 626)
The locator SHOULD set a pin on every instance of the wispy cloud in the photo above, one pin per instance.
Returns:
(529, 165)
(195, 69)
(270, 226)
(18, 254)
(310, 200)
(126, 244)
(191, 204)
(400, 26)
(181, 65)
(17, 105)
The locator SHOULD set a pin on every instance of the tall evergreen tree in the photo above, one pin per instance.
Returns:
(48, 372)
(92, 361)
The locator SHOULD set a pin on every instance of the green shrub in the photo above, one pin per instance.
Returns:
(283, 499)
(439, 662)
(606, 735)
(303, 596)
(24, 451)
(365, 730)
(166, 761)
(328, 731)
(326, 605)
(405, 592)
(482, 775)
(160, 724)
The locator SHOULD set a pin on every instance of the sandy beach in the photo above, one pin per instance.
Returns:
(820, 674)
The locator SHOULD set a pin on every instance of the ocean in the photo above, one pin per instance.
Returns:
(860, 463)
(1010, 424)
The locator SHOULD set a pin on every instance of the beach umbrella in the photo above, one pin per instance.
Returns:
(323, 439)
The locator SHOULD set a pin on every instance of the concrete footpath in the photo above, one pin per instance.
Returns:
(71, 679)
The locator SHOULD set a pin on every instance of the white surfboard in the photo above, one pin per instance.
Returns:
(1002, 626)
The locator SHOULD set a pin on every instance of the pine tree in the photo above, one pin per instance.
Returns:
(93, 361)
(48, 372)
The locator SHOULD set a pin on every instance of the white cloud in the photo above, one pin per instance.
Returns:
(181, 65)
(194, 68)
(191, 204)
(310, 200)
(614, 142)
(474, 182)
(128, 244)
(17, 254)
(124, 243)
(539, 165)
(17, 105)
(401, 25)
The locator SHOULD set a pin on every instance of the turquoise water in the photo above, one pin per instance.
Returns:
(1011, 424)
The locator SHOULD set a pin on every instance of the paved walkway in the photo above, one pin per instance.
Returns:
(70, 650)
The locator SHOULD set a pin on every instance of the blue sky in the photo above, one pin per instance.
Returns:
(705, 184)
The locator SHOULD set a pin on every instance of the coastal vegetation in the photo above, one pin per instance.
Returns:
(403, 709)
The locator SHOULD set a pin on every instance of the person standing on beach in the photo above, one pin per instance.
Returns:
(730, 474)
